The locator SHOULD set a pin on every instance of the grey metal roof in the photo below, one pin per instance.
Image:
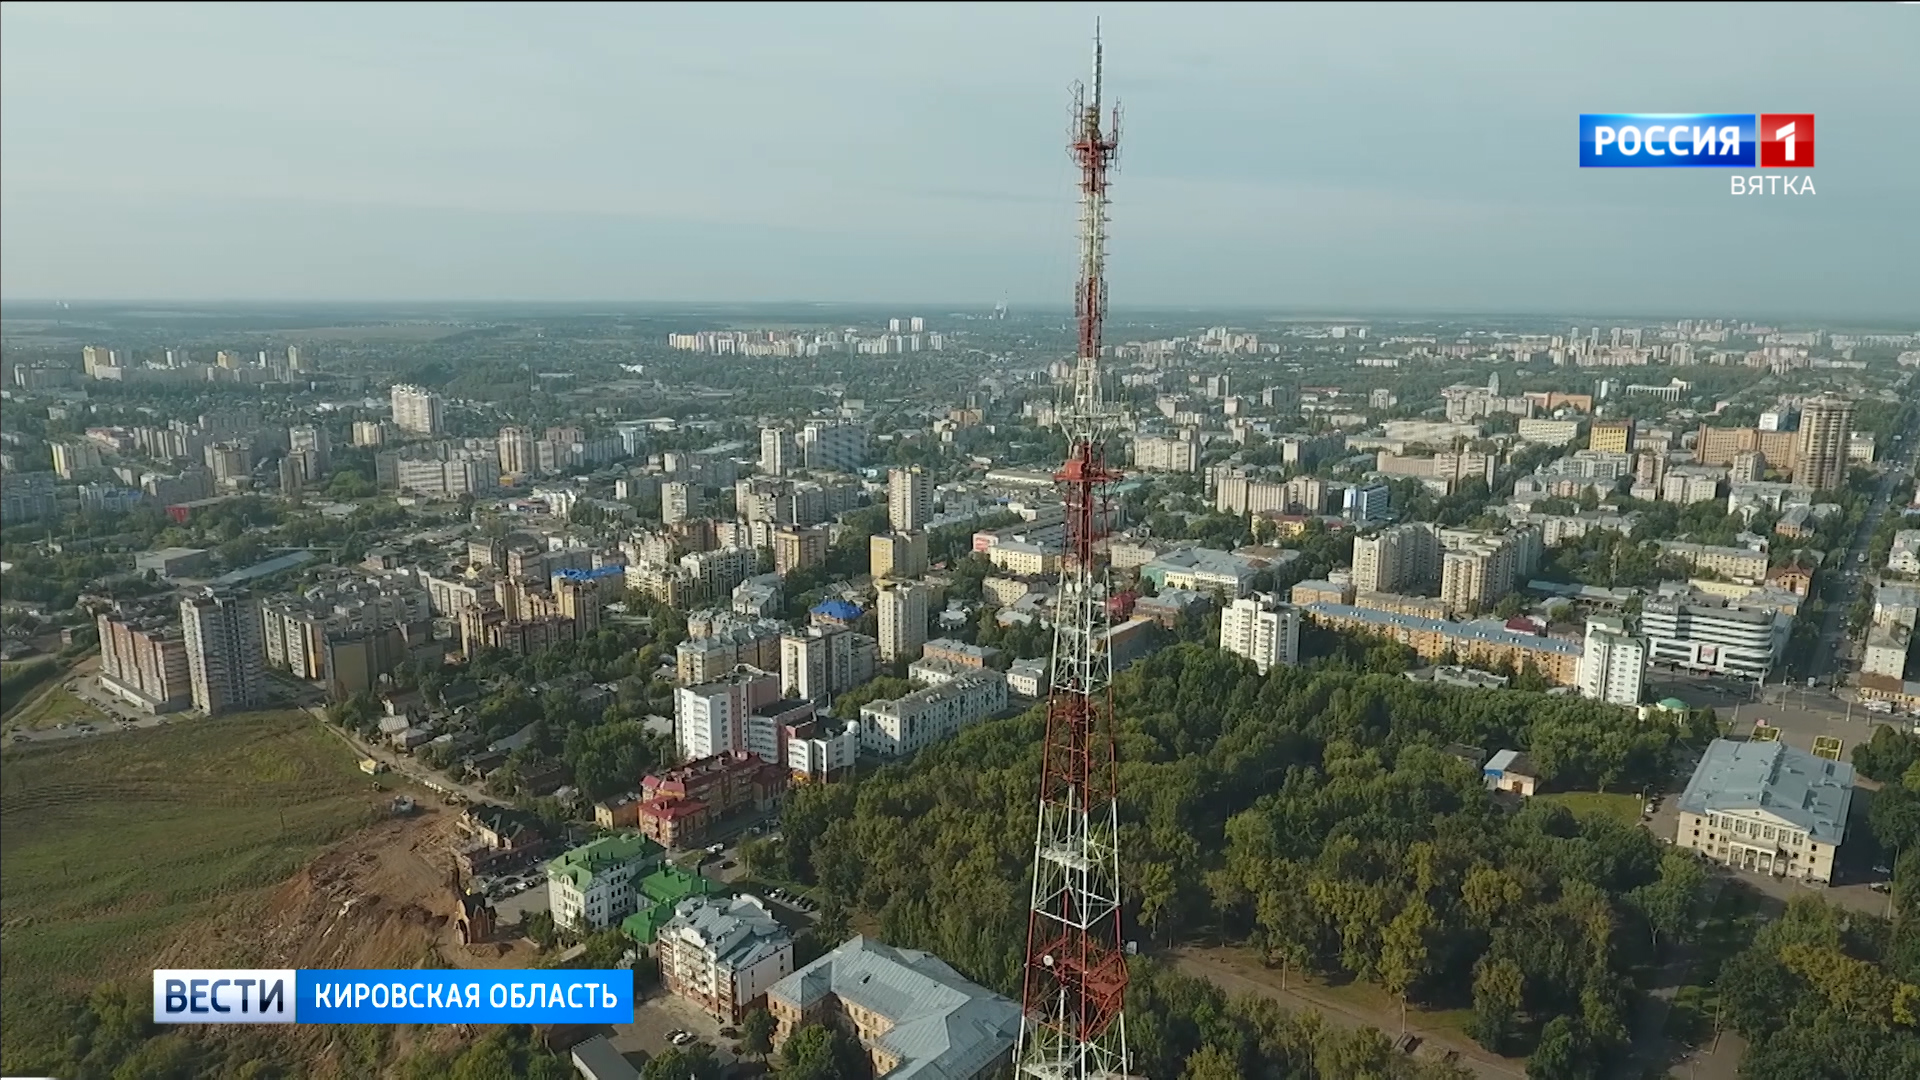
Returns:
(1458, 631)
(596, 1059)
(1812, 793)
(739, 932)
(943, 1025)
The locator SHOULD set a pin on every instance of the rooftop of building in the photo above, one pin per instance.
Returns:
(836, 609)
(942, 1024)
(1807, 792)
(981, 653)
(1476, 632)
(1515, 762)
(608, 854)
(739, 931)
(955, 687)
(1201, 560)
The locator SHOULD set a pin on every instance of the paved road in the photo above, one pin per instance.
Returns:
(1825, 659)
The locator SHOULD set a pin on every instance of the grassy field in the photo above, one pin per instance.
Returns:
(114, 844)
(1626, 807)
(56, 706)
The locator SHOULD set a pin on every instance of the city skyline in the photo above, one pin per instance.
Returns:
(1294, 160)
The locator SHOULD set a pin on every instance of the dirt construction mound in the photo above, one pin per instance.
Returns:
(379, 899)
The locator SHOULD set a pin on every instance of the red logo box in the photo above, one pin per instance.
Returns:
(1786, 140)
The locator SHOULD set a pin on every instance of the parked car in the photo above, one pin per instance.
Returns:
(1881, 887)
(726, 864)
(715, 849)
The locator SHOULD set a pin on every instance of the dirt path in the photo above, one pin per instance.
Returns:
(1226, 972)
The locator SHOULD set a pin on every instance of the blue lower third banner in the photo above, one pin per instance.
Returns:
(286, 996)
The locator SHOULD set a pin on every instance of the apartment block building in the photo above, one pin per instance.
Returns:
(723, 954)
(924, 717)
(1740, 564)
(226, 663)
(1178, 453)
(902, 608)
(897, 554)
(1826, 430)
(1397, 559)
(825, 660)
(711, 718)
(1613, 663)
(143, 659)
(418, 411)
(834, 446)
(797, 548)
(1471, 643)
(1262, 629)
(726, 641)
(909, 499)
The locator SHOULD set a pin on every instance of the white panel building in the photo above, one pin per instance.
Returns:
(924, 717)
(1613, 667)
(1262, 629)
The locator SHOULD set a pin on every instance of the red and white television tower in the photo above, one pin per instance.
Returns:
(1076, 969)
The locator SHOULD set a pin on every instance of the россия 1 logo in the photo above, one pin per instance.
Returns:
(1704, 141)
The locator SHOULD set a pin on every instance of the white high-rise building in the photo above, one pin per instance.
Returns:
(226, 658)
(902, 607)
(909, 499)
(418, 411)
(711, 718)
(1262, 629)
(779, 451)
(1614, 666)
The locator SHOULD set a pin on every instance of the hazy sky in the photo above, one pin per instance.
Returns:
(1352, 157)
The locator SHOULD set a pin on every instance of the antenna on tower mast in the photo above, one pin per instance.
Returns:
(1072, 1025)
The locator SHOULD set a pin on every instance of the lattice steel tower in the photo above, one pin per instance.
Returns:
(1076, 969)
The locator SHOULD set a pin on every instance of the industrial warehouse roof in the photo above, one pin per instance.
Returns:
(942, 1025)
(1809, 792)
(1481, 632)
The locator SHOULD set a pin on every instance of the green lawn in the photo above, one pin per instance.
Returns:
(1626, 807)
(114, 844)
(56, 707)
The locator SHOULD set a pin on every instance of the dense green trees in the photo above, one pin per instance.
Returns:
(1820, 994)
(1310, 813)
(818, 1052)
(1186, 1028)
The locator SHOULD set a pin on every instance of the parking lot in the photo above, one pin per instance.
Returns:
(658, 1017)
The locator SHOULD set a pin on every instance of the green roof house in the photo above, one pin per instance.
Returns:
(597, 884)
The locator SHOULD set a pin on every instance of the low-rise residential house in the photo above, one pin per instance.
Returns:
(1511, 770)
